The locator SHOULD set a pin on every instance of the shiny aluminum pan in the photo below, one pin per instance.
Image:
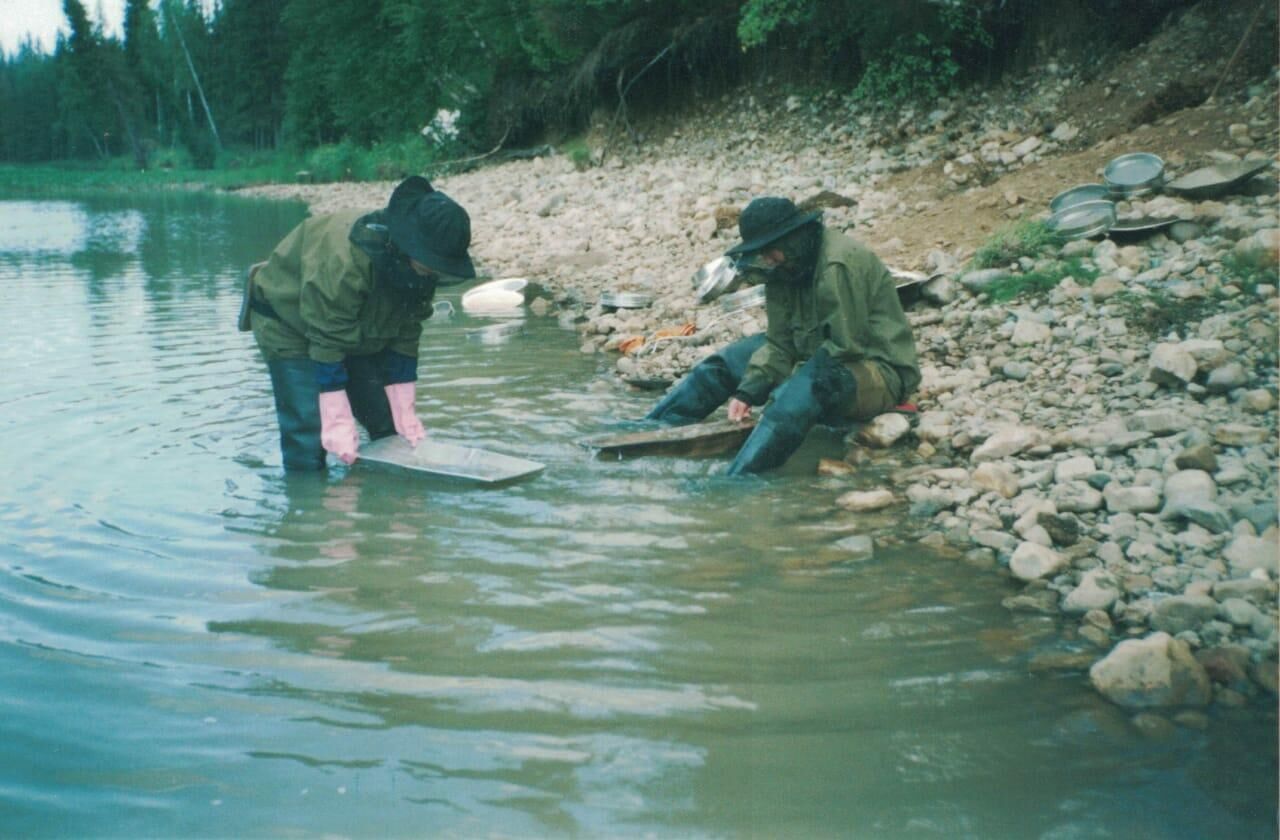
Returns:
(448, 460)
(748, 298)
(718, 277)
(495, 333)
(1079, 195)
(1081, 221)
(1137, 173)
(626, 300)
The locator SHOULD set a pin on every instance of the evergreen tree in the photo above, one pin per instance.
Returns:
(251, 52)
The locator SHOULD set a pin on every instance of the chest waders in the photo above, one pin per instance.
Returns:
(297, 397)
(708, 385)
(820, 389)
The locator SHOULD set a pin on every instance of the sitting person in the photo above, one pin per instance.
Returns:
(837, 346)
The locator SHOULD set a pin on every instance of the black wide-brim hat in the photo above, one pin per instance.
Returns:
(430, 227)
(766, 220)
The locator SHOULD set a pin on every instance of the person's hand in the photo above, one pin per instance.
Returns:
(337, 426)
(738, 410)
(401, 397)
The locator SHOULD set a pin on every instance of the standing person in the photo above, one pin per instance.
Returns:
(837, 346)
(337, 312)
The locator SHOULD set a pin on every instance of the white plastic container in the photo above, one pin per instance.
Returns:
(496, 296)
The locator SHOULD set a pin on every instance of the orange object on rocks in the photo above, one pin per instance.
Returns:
(673, 332)
(633, 343)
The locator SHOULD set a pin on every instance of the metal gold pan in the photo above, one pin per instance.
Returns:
(447, 460)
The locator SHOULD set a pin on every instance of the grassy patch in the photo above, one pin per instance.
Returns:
(1039, 282)
(1247, 273)
(231, 169)
(77, 177)
(1022, 239)
(577, 151)
(1158, 314)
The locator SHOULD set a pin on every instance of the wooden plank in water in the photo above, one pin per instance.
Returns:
(680, 441)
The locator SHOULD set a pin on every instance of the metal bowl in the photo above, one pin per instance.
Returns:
(715, 279)
(496, 295)
(1078, 195)
(1127, 229)
(1217, 179)
(748, 298)
(1080, 221)
(626, 300)
(1134, 174)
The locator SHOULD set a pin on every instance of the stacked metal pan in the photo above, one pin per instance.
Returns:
(1133, 175)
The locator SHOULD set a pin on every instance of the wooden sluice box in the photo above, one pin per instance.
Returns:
(679, 441)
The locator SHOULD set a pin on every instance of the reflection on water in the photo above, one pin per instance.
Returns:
(194, 644)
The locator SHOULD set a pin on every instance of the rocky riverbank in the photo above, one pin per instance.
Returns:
(1097, 418)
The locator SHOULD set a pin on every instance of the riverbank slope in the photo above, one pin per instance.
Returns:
(1097, 418)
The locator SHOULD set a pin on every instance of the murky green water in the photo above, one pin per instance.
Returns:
(190, 645)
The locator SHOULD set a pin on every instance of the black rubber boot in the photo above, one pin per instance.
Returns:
(293, 382)
(366, 384)
(771, 443)
(708, 385)
(820, 388)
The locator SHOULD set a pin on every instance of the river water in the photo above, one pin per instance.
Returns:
(192, 645)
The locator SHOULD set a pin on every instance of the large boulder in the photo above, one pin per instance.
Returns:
(1153, 672)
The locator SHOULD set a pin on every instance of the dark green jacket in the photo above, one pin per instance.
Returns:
(851, 308)
(323, 289)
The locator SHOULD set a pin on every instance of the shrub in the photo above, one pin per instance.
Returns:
(1041, 281)
(1248, 273)
(337, 162)
(1022, 239)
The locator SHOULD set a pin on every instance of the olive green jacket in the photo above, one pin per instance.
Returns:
(851, 308)
(322, 288)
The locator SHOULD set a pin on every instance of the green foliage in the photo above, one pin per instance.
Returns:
(1248, 272)
(1022, 239)
(336, 162)
(923, 65)
(347, 161)
(579, 152)
(917, 69)
(1157, 314)
(760, 18)
(172, 170)
(1041, 280)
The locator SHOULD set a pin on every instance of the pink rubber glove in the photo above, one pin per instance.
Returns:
(401, 396)
(338, 426)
